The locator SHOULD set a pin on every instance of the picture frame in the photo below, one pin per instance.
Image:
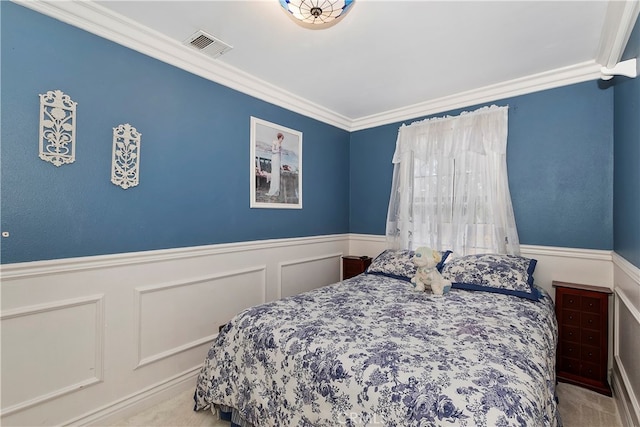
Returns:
(275, 145)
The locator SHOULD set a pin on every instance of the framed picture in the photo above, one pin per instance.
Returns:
(276, 166)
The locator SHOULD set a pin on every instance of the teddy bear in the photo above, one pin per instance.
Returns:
(427, 276)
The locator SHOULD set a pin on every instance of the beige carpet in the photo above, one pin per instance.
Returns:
(578, 408)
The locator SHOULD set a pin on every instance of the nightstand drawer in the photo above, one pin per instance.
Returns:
(590, 354)
(571, 301)
(591, 305)
(582, 313)
(571, 334)
(571, 349)
(354, 265)
(571, 317)
(352, 270)
(590, 321)
(584, 353)
(592, 370)
(571, 366)
(588, 337)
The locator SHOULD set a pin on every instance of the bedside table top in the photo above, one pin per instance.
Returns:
(592, 288)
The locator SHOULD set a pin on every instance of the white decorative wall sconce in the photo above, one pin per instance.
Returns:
(125, 163)
(57, 128)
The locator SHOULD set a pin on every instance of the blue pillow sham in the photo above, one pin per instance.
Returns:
(398, 263)
(503, 274)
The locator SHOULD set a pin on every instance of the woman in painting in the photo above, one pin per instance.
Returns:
(276, 147)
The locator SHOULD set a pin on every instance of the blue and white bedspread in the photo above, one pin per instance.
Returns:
(372, 351)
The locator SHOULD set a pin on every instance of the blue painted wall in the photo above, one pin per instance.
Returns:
(626, 206)
(194, 171)
(194, 187)
(560, 162)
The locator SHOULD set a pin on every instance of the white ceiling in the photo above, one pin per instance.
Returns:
(383, 56)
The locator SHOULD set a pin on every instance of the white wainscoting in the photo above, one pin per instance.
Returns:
(91, 340)
(160, 336)
(69, 333)
(306, 274)
(626, 372)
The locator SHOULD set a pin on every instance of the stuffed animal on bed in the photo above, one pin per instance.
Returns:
(427, 276)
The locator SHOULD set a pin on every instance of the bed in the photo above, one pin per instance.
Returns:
(372, 351)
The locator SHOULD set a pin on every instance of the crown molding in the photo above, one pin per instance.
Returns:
(618, 24)
(98, 20)
(101, 21)
(577, 73)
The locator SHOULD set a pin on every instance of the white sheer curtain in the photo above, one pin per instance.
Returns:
(450, 189)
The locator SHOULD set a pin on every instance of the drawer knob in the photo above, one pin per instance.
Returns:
(571, 333)
(571, 317)
(590, 354)
(590, 304)
(590, 320)
(590, 338)
(570, 301)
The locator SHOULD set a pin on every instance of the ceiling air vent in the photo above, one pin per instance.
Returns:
(207, 44)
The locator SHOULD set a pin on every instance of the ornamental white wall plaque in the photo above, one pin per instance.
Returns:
(125, 164)
(57, 128)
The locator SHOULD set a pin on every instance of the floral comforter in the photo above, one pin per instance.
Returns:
(372, 351)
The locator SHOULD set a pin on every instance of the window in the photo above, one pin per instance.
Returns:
(450, 188)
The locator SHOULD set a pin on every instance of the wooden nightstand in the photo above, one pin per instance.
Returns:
(354, 265)
(583, 315)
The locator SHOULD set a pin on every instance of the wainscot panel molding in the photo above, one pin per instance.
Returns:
(68, 331)
(116, 334)
(626, 370)
(573, 265)
(142, 322)
(232, 290)
(316, 271)
(45, 268)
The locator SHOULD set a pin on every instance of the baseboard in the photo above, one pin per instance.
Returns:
(139, 401)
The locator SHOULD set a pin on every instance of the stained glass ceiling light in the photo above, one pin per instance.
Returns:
(316, 12)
